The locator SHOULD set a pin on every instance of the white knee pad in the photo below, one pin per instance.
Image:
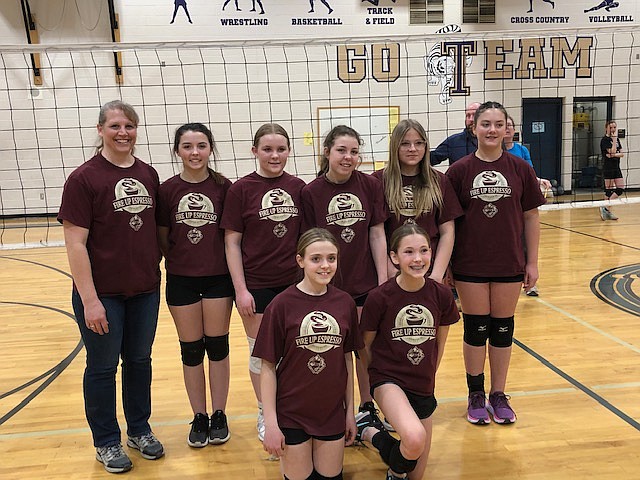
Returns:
(255, 363)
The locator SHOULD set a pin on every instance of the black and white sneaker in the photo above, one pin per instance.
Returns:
(113, 458)
(199, 434)
(387, 426)
(367, 417)
(391, 476)
(219, 431)
(370, 407)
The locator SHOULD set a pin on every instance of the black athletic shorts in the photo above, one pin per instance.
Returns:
(612, 173)
(611, 169)
(423, 406)
(471, 279)
(189, 290)
(361, 299)
(263, 296)
(296, 436)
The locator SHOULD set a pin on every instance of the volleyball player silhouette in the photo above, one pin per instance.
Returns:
(178, 4)
(324, 2)
(606, 4)
(553, 5)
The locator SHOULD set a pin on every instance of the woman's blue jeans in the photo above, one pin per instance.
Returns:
(132, 329)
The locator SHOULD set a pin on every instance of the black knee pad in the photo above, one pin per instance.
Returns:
(312, 476)
(217, 347)
(384, 443)
(619, 191)
(476, 329)
(398, 463)
(318, 476)
(608, 192)
(501, 332)
(192, 352)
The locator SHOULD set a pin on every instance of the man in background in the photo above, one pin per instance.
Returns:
(460, 144)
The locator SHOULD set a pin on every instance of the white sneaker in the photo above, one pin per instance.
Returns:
(533, 292)
(260, 426)
(387, 426)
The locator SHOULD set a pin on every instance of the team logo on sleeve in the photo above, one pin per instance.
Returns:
(414, 325)
(132, 197)
(195, 210)
(278, 206)
(345, 209)
(319, 333)
(490, 186)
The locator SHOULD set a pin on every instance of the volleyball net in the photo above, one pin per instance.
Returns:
(47, 130)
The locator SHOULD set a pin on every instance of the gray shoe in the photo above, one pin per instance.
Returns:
(149, 446)
(603, 213)
(610, 216)
(113, 458)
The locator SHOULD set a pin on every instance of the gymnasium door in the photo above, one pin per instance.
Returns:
(542, 134)
(589, 117)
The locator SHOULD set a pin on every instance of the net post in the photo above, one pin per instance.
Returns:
(114, 22)
(32, 38)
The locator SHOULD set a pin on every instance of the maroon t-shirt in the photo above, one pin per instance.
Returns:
(267, 213)
(192, 212)
(118, 206)
(348, 210)
(494, 196)
(405, 350)
(307, 337)
(430, 221)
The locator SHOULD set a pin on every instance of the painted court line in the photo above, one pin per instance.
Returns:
(613, 409)
(252, 416)
(613, 338)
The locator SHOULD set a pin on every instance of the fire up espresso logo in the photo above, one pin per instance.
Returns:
(132, 197)
(345, 209)
(277, 206)
(414, 325)
(319, 333)
(195, 210)
(490, 186)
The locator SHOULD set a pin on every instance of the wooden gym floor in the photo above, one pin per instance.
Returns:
(574, 377)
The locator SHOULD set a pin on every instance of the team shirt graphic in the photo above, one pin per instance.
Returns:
(319, 333)
(132, 197)
(414, 325)
(344, 210)
(408, 206)
(278, 206)
(490, 186)
(408, 209)
(195, 210)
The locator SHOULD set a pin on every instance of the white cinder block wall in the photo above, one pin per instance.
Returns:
(174, 73)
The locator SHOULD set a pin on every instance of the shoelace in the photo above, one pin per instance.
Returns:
(477, 400)
(146, 440)
(200, 423)
(112, 452)
(501, 401)
(217, 422)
